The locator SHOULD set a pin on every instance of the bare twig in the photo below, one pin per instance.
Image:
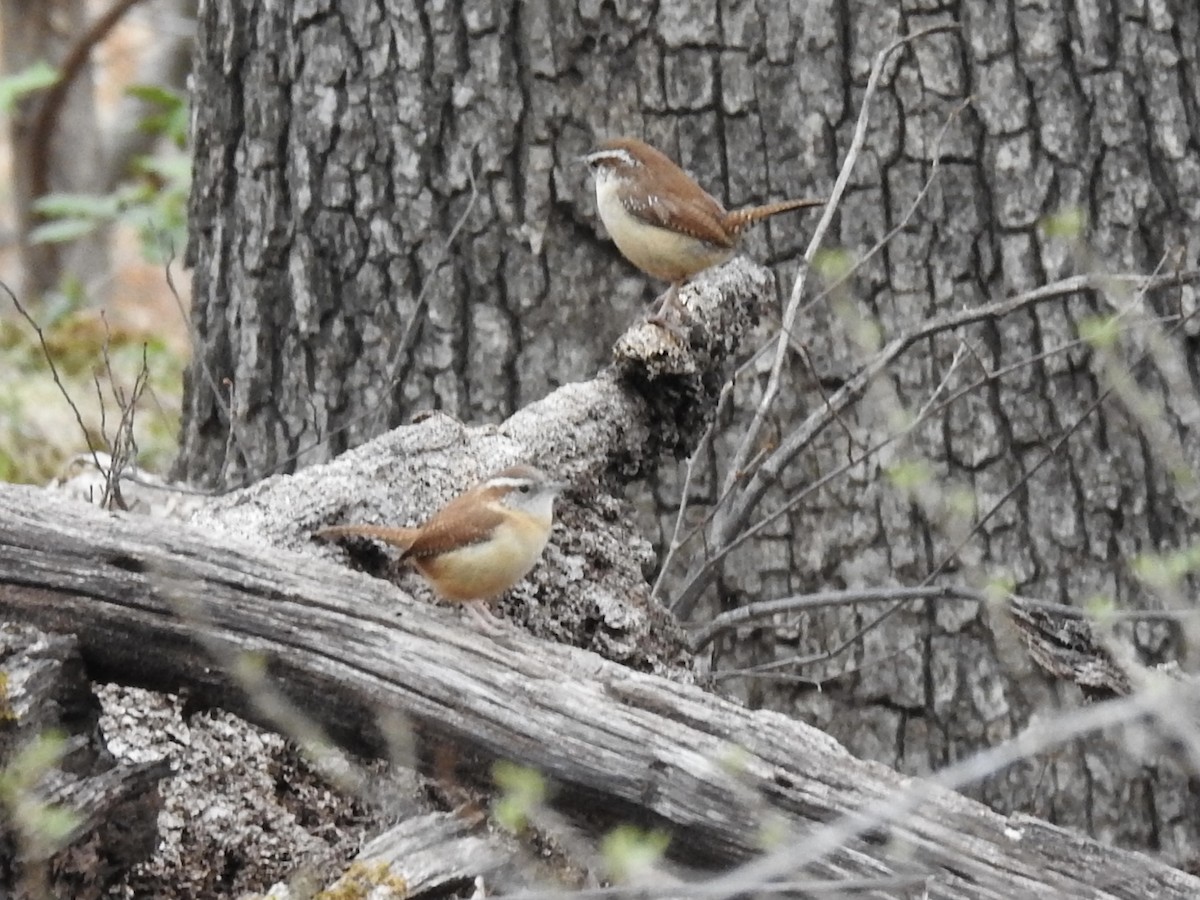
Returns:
(798, 851)
(978, 525)
(123, 443)
(926, 412)
(49, 357)
(774, 669)
(728, 528)
(217, 389)
(765, 609)
(742, 454)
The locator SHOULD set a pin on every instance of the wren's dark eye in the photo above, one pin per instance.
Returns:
(525, 488)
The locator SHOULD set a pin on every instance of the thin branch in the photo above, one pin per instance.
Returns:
(926, 412)
(46, 120)
(49, 357)
(742, 454)
(935, 166)
(727, 529)
(1020, 483)
(765, 609)
(798, 851)
(773, 670)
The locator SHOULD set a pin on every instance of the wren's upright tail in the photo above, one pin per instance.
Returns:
(397, 537)
(740, 219)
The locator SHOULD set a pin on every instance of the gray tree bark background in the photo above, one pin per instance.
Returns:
(389, 216)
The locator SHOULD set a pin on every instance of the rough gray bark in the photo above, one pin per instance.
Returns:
(351, 652)
(1070, 111)
(334, 152)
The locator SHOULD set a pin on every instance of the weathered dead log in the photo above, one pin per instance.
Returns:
(157, 604)
(112, 806)
(438, 852)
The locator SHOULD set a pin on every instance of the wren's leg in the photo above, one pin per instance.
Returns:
(482, 614)
(669, 301)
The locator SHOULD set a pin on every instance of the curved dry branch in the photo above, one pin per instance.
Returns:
(731, 529)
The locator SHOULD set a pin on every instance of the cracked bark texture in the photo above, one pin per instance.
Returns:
(337, 148)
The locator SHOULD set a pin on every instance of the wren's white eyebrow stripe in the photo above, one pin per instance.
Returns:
(619, 156)
(508, 482)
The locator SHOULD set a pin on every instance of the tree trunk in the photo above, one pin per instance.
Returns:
(388, 216)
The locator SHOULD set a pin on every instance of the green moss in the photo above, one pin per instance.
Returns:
(7, 713)
(360, 878)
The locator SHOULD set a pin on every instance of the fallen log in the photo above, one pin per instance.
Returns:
(74, 818)
(167, 606)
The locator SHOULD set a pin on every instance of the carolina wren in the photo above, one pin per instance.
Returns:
(660, 219)
(482, 542)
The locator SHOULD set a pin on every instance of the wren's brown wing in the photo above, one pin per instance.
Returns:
(461, 522)
(693, 217)
(699, 217)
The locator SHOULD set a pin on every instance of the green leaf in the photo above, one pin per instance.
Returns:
(30, 762)
(1164, 571)
(81, 206)
(157, 94)
(62, 230)
(37, 77)
(175, 169)
(999, 587)
(961, 501)
(772, 832)
(1101, 608)
(629, 851)
(48, 828)
(1066, 224)
(1100, 331)
(910, 474)
(834, 264)
(172, 120)
(524, 790)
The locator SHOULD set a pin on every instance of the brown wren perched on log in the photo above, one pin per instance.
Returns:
(482, 542)
(661, 220)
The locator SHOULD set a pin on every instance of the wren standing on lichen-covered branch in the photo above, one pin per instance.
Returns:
(661, 220)
(482, 542)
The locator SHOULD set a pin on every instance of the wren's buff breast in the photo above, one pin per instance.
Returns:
(660, 219)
